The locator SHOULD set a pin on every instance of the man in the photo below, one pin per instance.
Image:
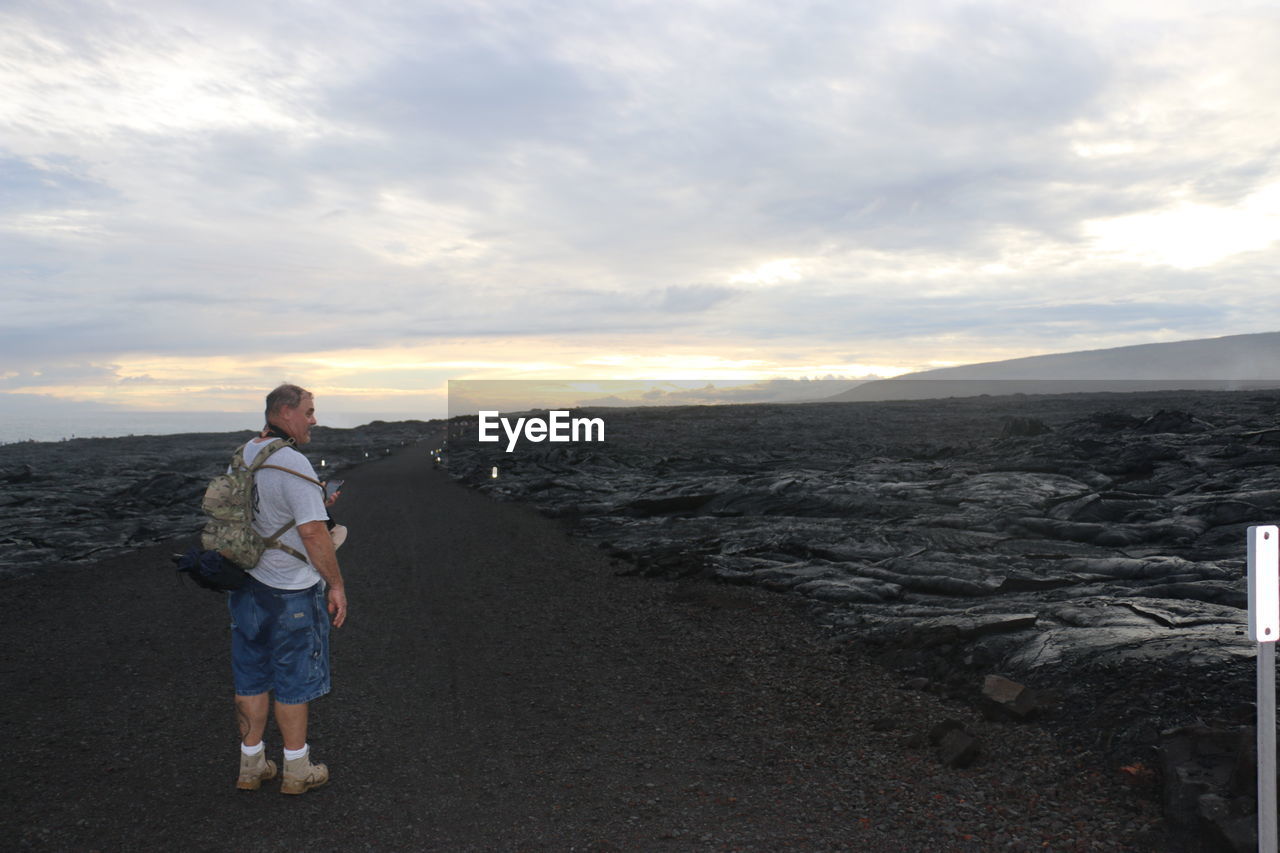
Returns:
(279, 629)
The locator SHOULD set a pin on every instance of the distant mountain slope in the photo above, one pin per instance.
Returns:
(1234, 361)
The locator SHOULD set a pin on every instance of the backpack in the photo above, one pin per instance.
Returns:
(230, 543)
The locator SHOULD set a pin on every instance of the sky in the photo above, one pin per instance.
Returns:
(201, 200)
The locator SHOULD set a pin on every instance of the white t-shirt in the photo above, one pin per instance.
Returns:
(278, 498)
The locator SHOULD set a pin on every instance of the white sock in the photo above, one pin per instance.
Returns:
(293, 754)
(253, 750)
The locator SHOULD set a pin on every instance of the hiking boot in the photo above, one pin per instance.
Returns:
(254, 770)
(300, 775)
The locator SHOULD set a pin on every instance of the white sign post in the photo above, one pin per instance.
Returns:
(1264, 628)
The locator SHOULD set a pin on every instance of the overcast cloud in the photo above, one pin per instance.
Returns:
(199, 200)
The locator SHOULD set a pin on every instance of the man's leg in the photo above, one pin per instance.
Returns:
(251, 716)
(292, 720)
(300, 775)
(251, 675)
(302, 664)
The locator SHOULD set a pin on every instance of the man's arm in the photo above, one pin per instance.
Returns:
(320, 553)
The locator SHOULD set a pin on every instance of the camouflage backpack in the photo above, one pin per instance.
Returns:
(228, 501)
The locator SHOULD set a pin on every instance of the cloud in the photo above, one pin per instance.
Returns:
(693, 298)
(469, 90)
(19, 405)
(1016, 67)
(58, 183)
(919, 181)
(59, 374)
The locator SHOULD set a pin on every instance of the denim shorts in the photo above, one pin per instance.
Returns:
(279, 641)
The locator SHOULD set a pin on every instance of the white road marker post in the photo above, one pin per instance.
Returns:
(1264, 628)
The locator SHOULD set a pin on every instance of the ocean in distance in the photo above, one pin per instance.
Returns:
(98, 424)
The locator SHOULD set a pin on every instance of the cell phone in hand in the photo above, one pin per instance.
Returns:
(331, 487)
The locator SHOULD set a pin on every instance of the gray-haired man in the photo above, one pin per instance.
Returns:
(279, 627)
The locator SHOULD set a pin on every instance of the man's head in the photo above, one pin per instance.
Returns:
(292, 410)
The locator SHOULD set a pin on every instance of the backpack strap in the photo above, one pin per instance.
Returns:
(263, 454)
(260, 462)
(273, 541)
(293, 472)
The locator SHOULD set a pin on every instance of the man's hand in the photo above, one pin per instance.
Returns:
(333, 498)
(338, 605)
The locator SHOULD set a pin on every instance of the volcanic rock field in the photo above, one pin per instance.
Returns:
(85, 499)
(1088, 546)
(1091, 544)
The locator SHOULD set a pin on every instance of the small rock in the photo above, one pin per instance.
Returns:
(1197, 763)
(22, 474)
(1213, 807)
(1015, 427)
(915, 740)
(942, 729)
(1239, 834)
(1172, 421)
(1003, 699)
(958, 749)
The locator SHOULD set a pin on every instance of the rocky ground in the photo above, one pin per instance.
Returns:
(89, 498)
(501, 686)
(1072, 562)
(1090, 546)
